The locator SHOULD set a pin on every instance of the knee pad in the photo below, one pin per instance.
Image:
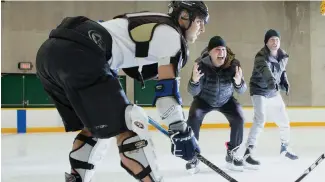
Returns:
(139, 147)
(84, 159)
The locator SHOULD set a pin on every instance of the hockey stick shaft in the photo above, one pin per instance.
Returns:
(199, 156)
(319, 160)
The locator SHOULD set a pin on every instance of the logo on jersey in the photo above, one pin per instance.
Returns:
(138, 124)
(100, 126)
(159, 87)
(97, 38)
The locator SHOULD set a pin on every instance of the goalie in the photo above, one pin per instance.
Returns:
(77, 66)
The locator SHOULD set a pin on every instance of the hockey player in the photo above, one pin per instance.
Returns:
(77, 67)
(269, 75)
(216, 75)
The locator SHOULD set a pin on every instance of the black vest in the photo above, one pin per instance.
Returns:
(141, 28)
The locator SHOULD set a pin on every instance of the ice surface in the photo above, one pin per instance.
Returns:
(43, 157)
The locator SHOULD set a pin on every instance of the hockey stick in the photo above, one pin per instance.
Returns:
(319, 160)
(199, 156)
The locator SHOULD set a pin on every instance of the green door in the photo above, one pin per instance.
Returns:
(144, 97)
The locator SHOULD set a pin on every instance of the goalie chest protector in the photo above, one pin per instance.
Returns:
(141, 28)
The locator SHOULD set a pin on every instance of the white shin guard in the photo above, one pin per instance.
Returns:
(84, 159)
(140, 148)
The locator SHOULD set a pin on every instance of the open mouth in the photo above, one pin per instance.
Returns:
(221, 57)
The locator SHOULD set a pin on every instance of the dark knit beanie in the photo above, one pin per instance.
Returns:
(215, 42)
(270, 33)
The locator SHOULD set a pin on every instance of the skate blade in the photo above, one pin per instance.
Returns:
(235, 168)
(193, 170)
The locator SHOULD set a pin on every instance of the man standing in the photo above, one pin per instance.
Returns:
(269, 75)
(216, 75)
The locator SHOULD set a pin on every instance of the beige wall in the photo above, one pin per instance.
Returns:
(25, 25)
(317, 48)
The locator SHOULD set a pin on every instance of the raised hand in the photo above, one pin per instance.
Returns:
(238, 75)
(196, 74)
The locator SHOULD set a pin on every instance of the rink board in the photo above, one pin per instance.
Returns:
(16, 120)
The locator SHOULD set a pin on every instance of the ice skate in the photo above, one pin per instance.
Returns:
(192, 166)
(233, 162)
(286, 152)
(249, 161)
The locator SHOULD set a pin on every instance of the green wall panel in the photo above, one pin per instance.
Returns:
(26, 90)
(12, 90)
(35, 95)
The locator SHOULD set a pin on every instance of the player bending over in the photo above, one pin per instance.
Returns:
(77, 66)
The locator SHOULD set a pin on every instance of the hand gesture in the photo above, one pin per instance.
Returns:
(196, 75)
(238, 75)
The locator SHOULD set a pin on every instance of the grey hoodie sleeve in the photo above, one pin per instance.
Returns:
(193, 88)
(262, 67)
(240, 89)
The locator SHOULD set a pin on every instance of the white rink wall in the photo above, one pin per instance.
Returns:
(47, 119)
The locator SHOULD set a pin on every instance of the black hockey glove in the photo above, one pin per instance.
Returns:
(184, 144)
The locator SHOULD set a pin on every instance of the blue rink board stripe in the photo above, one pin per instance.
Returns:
(21, 121)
